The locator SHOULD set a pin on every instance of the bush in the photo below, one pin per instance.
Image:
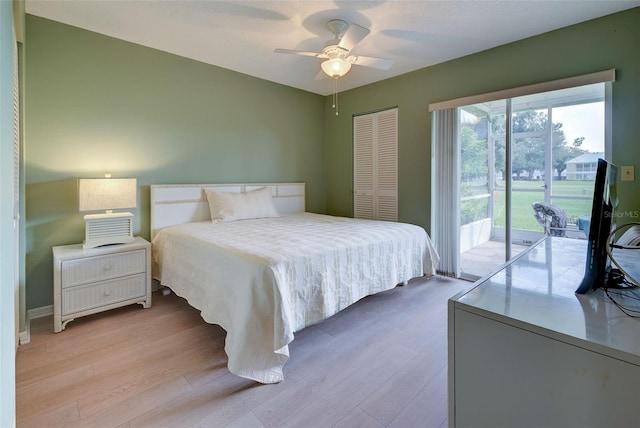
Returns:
(473, 210)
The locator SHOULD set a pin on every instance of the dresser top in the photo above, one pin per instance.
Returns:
(536, 292)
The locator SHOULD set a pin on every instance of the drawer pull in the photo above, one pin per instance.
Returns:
(107, 267)
(107, 292)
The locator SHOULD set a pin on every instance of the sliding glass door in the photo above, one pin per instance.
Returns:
(544, 154)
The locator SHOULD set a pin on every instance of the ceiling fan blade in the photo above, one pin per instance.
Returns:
(302, 53)
(321, 75)
(367, 61)
(352, 36)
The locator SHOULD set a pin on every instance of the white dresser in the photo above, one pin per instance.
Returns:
(87, 281)
(526, 351)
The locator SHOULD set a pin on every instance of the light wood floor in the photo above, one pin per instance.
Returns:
(381, 362)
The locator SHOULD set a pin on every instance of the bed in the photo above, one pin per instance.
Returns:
(264, 272)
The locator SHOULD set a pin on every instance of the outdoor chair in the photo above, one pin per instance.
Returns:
(551, 218)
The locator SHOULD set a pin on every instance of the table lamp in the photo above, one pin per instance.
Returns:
(97, 194)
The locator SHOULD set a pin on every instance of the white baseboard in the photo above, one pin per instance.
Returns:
(25, 336)
(40, 312)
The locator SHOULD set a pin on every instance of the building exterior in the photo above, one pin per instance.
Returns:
(583, 167)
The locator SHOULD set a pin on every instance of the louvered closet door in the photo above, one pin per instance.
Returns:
(375, 149)
(363, 167)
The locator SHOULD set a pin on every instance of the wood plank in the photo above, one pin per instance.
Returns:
(346, 395)
(124, 411)
(61, 415)
(357, 418)
(247, 421)
(388, 401)
(56, 391)
(108, 391)
(428, 408)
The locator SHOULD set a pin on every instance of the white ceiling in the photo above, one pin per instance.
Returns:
(241, 35)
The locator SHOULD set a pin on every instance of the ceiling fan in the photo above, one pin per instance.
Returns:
(337, 51)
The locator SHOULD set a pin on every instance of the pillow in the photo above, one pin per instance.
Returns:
(241, 206)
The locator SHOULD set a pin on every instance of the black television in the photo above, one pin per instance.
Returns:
(602, 213)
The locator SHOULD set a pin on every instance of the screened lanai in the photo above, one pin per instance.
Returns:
(554, 141)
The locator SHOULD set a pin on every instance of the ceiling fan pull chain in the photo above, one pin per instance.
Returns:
(333, 100)
(335, 94)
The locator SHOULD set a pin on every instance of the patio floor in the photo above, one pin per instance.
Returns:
(486, 257)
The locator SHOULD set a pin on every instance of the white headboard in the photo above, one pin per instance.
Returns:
(173, 204)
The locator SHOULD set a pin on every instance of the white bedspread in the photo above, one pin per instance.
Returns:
(264, 279)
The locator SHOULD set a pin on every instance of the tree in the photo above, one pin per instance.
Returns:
(474, 153)
(527, 156)
(497, 123)
(527, 150)
(562, 153)
(474, 168)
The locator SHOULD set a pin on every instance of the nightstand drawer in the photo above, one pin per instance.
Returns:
(82, 298)
(99, 268)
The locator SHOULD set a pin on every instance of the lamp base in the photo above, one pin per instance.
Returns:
(108, 229)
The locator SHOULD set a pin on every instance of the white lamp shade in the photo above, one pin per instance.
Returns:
(95, 194)
(336, 67)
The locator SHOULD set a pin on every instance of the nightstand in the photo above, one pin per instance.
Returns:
(87, 281)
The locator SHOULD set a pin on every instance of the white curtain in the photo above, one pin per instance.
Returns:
(445, 205)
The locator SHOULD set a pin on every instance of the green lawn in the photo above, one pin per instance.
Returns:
(522, 213)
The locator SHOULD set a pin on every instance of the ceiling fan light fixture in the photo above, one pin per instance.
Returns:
(336, 67)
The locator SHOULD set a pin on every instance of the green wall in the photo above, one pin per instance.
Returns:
(95, 104)
(601, 44)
